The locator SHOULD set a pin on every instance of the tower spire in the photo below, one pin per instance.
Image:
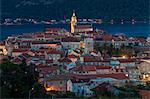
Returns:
(73, 13)
(73, 22)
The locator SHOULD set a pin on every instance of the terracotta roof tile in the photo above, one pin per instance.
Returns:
(52, 30)
(19, 50)
(83, 26)
(71, 39)
(92, 59)
(93, 76)
(72, 56)
(65, 59)
(85, 68)
(23, 46)
(54, 52)
(49, 61)
(103, 67)
(102, 87)
(2, 43)
(145, 94)
(127, 60)
(47, 69)
(58, 77)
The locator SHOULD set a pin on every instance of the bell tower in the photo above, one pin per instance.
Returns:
(73, 22)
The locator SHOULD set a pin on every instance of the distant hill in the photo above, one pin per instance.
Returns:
(57, 9)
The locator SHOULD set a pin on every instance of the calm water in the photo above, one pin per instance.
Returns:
(128, 29)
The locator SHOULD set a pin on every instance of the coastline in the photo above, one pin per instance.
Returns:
(131, 30)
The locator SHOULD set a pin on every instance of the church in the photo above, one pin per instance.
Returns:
(75, 28)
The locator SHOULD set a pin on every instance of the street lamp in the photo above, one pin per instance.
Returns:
(123, 56)
(30, 92)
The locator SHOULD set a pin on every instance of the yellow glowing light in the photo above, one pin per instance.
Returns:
(49, 88)
(146, 75)
(32, 89)
(73, 22)
(52, 45)
(143, 76)
(82, 44)
(123, 56)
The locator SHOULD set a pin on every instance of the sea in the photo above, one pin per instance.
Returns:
(130, 30)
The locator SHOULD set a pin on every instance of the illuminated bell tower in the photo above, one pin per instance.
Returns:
(73, 22)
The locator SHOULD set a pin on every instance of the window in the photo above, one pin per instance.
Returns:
(61, 82)
(117, 70)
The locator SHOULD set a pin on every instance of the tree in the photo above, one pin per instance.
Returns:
(16, 80)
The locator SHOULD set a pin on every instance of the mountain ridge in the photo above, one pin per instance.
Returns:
(57, 9)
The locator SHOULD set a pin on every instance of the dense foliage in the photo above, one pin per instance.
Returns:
(20, 81)
(110, 49)
(16, 80)
(57, 9)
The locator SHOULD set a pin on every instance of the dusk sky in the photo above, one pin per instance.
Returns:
(57, 9)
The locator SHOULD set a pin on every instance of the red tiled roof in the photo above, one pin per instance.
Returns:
(19, 50)
(92, 59)
(85, 68)
(91, 32)
(23, 46)
(38, 33)
(107, 37)
(49, 61)
(39, 53)
(105, 60)
(54, 52)
(116, 76)
(25, 41)
(78, 51)
(90, 68)
(55, 36)
(83, 26)
(40, 65)
(10, 40)
(103, 67)
(25, 36)
(72, 56)
(39, 42)
(93, 76)
(17, 59)
(118, 39)
(43, 49)
(102, 87)
(71, 39)
(2, 43)
(94, 52)
(126, 60)
(39, 36)
(65, 59)
(145, 94)
(58, 77)
(47, 69)
(119, 68)
(52, 30)
(142, 39)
